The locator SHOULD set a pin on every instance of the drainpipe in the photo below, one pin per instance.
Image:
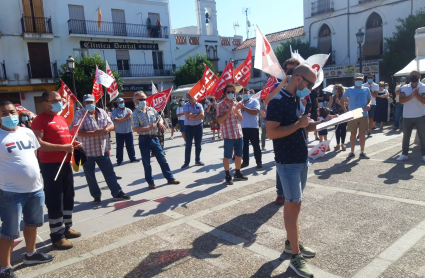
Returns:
(348, 30)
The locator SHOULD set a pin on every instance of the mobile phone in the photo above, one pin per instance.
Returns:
(307, 108)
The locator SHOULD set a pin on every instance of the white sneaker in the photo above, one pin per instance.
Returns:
(171, 138)
(402, 157)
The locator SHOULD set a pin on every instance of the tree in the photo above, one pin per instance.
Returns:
(283, 51)
(193, 70)
(84, 74)
(400, 49)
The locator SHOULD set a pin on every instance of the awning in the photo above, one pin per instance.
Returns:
(413, 66)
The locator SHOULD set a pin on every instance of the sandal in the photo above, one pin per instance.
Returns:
(343, 147)
(336, 148)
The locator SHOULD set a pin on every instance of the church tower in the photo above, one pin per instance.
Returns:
(206, 8)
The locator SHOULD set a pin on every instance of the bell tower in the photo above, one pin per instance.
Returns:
(206, 14)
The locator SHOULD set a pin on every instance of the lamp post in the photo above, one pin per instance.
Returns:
(71, 67)
(360, 38)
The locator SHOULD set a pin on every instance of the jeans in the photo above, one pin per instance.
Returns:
(197, 132)
(398, 114)
(13, 205)
(146, 145)
(408, 124)
(128, 139)
(253, 135)
(279, 187)
(105, 165)
(232, 146)
(263, 137)
(294, 179)
(341, 133)
(59, 198)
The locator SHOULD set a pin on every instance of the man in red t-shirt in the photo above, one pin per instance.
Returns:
(53, 135)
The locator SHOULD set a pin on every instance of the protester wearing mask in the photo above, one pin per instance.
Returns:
(358, 97)
(229, 117)
(172, 114)
(212, 110)
(398, 114)
(25, 120)
(94, 136)
(59, 193)
(21, 190)
(250, 109)
(381, 112)
(287, 126)
(374, 89)
(121, 117)
(181, 117)
(146, 122)
(413, 98)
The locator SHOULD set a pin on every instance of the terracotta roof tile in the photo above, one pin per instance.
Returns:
(274, 37)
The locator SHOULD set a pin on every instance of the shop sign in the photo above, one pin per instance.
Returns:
(118, 45)
(350, 70)
(27, 88)
(147, 88)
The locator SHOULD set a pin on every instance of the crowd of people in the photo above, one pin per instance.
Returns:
(31, 146)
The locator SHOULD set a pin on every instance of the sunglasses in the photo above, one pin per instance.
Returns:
(141, 99)
(310, 85)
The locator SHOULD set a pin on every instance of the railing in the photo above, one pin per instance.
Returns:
(3, 75)
(225, 41)
(143, 70)
(42, 70)
(90, 27)
(332, 58)
(39, 25)
(366, 1)
(322, 6)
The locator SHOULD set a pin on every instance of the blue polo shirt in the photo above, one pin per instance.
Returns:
(292, 149)
(248, 120)
(125, 126)
(357, 98)
(195, 109)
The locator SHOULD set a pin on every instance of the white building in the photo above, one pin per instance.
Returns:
(38, 35)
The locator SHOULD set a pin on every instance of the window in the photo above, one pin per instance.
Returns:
(123, 62)
(34, 16)
(325, 41)
(118, 19)
(77, 22)
(80, 53)
(374, 38)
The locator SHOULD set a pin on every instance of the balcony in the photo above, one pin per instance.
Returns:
(366, 1)
(87, 28)
(37, 27)
(3, 75)
(143, 70)
(42, 72)
(321, 7)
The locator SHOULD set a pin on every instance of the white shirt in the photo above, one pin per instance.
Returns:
(180, 111)
(413, 108)
(373, 88)
(19, 170)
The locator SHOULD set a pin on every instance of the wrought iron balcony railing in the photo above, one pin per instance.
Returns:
(143, 70)
(91, 27)
(3, 75)
(42, 70)
(39, 25)
(322, 6)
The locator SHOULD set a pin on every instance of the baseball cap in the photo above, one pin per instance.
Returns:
(120, 99)
(88, 98)
(359, 76)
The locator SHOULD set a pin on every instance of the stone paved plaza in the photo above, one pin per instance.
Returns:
(365, 218)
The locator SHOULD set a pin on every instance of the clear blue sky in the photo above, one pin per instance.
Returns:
(270, 15)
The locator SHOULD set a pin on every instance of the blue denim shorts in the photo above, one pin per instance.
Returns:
(293, 179)
(13, 205)
(182, 129)
(230, 144)
(371, 112)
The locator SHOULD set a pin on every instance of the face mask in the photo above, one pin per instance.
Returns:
(56, 107)
(90, 107)
(25, 119)
(358, 83)
(142, 104)
(303, 93)
(174, 100)
(370, 80)
(402, 83)
(333, 92)
(10, 122)
(112, 109)
(386, 88)
(121, 105)
(182, 102)
(230, 96)
(245, 97)
(414, 79)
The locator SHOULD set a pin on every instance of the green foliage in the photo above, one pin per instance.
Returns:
(400, 49)
(283, 51)
(192, 71)
(84, 74)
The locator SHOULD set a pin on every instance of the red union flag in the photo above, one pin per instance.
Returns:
(159, 100)
(243, 72)
(113, 89)
(97, 90)
(225, 78)
(68, 100)
(265, 59)
(269, 84)
(21, 109)
(204, 86)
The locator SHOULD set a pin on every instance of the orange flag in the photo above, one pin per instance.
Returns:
(225, 78)
(99, 17)
(204, 86)
(243, 72)
(68, 100)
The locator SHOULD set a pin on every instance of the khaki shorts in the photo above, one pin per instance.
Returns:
(362, 124)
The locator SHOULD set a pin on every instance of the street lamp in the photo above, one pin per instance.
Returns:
(360, 38)
(71, 67)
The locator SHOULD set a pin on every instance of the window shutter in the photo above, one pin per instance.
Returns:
(123, 55)
(38, 9)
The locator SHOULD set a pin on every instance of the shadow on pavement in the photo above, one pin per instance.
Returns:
(245, 226)
(339, 168)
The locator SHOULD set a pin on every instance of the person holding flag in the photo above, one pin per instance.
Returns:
(53, 135)
(146, 122)
(94, 136)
